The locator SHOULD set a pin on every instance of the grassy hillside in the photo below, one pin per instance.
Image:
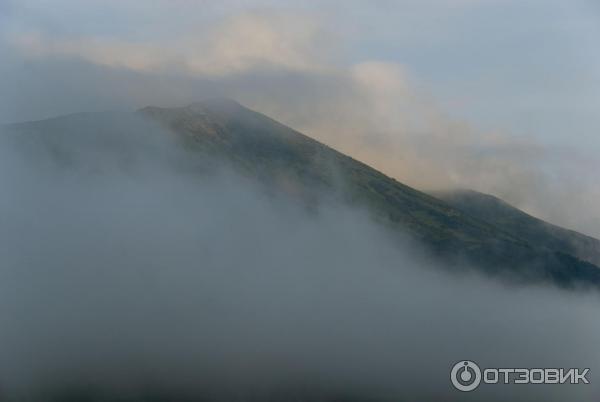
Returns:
(285, 160)
(282, 156)
(502, 215)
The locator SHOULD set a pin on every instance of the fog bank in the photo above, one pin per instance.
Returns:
(122, 273)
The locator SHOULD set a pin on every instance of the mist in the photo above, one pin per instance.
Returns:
(130, 269)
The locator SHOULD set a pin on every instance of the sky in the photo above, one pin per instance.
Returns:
(499, 96)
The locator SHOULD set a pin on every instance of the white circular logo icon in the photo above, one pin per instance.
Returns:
(465, 375)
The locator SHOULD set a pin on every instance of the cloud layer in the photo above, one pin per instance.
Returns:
(124, 274)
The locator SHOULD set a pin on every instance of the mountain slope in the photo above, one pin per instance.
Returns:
(278, 153)
(529, 228)
(286, 160)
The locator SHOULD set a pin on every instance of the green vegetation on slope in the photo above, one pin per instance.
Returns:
(282, 156)
(287, 161)
(504, 216)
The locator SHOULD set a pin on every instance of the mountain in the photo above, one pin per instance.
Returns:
(285, 160)
(535, 231)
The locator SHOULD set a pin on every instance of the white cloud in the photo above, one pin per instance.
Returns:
(238, 44)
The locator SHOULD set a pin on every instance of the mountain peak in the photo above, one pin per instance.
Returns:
(217, 103)
(223, 105)
(499, 238)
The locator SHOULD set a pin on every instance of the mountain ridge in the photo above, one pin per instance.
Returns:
(499, 213)
(284, 158)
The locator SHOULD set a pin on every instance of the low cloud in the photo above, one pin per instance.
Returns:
(124, 272)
